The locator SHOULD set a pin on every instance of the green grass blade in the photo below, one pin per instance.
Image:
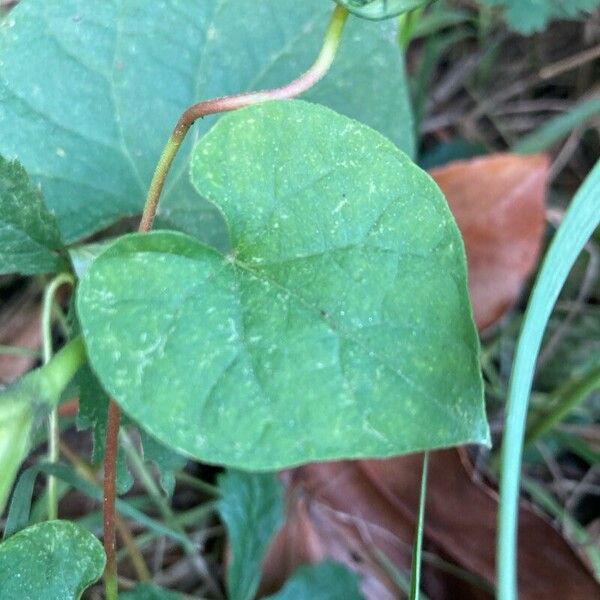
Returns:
(557, 128)
(415, 570)
(582, 217)
(562, 402)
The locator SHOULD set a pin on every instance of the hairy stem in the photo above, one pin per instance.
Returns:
(53, 430)
(108, 506)
(229, 103)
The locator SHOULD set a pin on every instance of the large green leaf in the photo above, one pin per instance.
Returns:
(381, 9)
(251, 507)
(528, 16)
(56, 560)
(89, 92)
(338, 327)
(323, 581)
(29, 237)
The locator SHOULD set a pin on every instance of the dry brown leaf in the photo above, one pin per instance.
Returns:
(461, 519)
(20, 328)
(498, 203)
(353, 511)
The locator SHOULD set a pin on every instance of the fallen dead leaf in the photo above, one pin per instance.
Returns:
(498, 203)
(356, 511)
(20, 326)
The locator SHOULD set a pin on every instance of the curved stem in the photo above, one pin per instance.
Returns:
(229, 103)
(53, 430)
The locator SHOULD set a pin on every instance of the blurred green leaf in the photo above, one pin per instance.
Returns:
(251, 507)
(529, 16)
(17, 415)
(323, 581)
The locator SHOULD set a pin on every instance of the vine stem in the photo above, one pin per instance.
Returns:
(208, 107)
(109, 500)
(228, 103)
(53, 429)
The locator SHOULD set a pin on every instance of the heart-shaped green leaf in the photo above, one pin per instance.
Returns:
(55, 560)
(339, 326)
(88, 97)
(29, 236)
(381, 9)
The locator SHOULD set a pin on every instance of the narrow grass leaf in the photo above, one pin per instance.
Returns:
(415, 571)
(582, 217)
(558, 127)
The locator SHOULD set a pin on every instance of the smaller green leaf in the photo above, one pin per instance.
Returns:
(93, 411)
(324, 581)
(146, 591)
(381, 9)
(252, 509)
(29, 236)
(56, 560)
(166, 460)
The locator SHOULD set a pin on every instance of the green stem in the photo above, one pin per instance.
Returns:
(53, 430)
(229, 103)
(562, 402)
(56, 374)
(198, 484)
